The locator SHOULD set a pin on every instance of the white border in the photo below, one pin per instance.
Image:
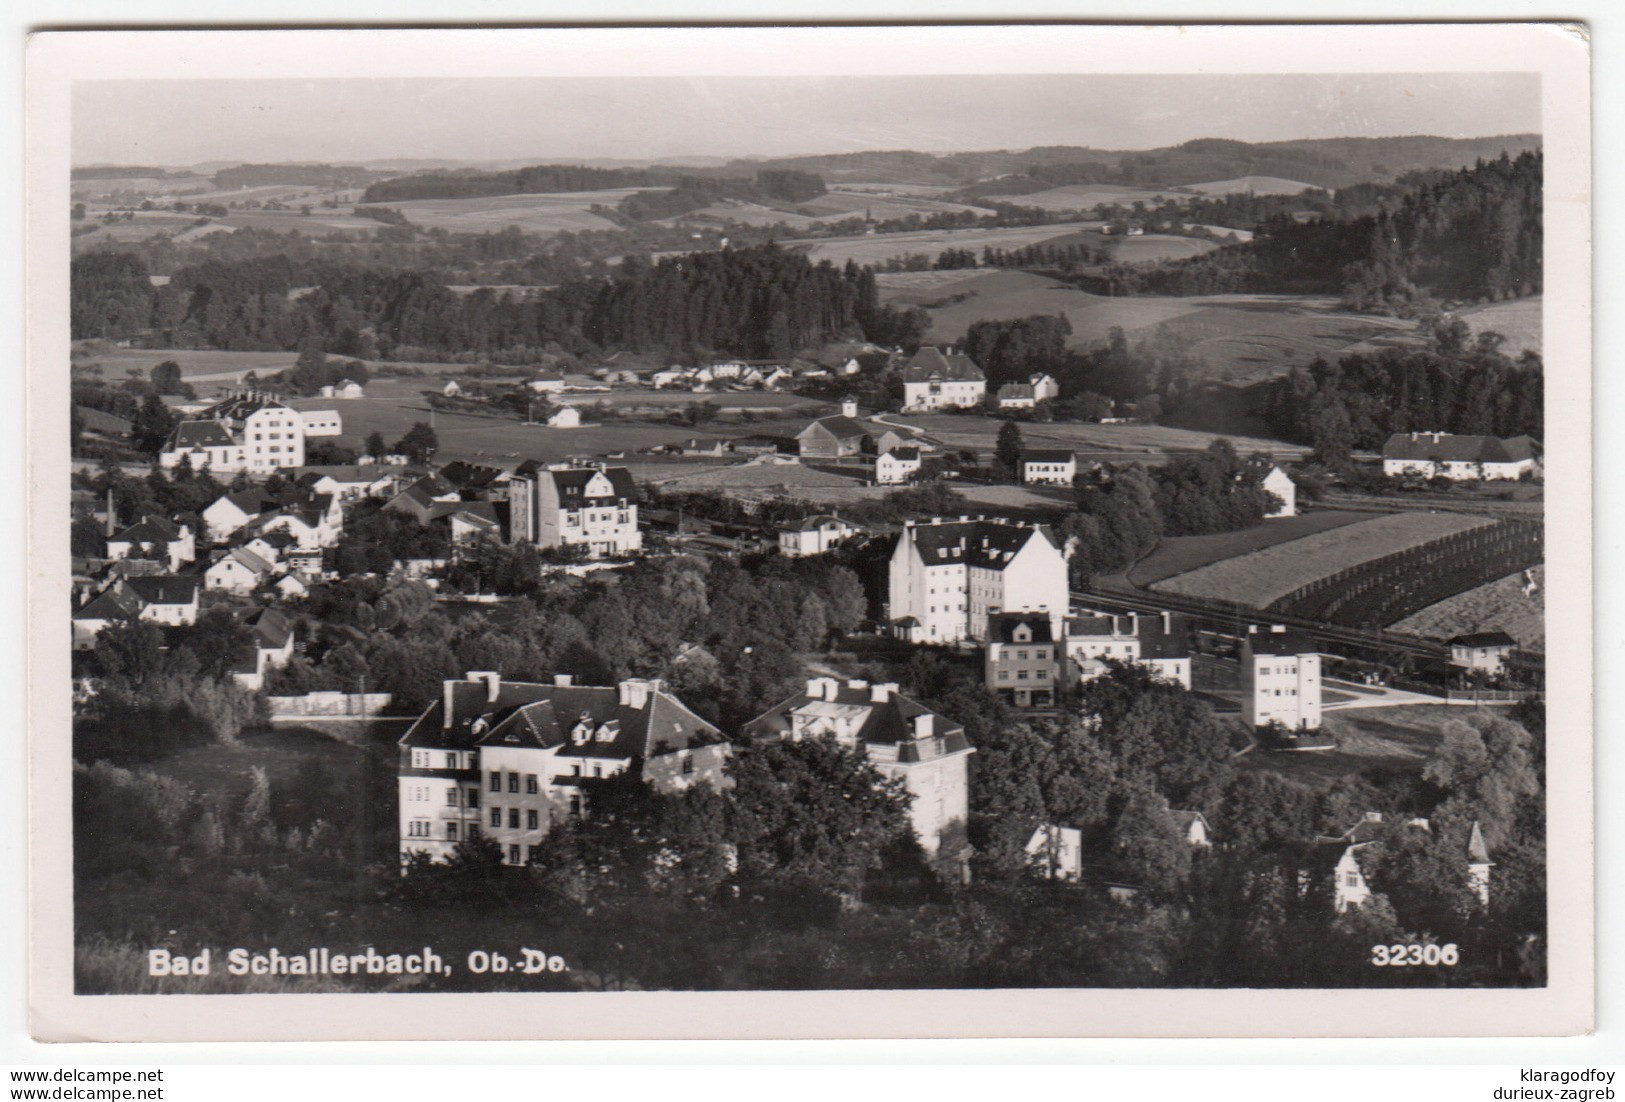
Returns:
(1560, 1008)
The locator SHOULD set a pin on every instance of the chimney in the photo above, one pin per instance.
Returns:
(849, 407)
(493, 683)
(1167, 623)
(922, 726)
(635, 692)
(879, 694)
(561, 681)
(112, 517)
(1278, 629)
(448, 700)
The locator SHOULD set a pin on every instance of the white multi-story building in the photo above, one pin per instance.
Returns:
(933, 379)
(897, 466)
(565, 506)
(1280, 673)
(1432, 454)
(901, 738)
(1160, 643)
(1048, 468)
(506, 760)
(250, 432)
(947, 577)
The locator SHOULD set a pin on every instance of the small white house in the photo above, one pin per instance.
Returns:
(1056, 852)
(814, 535)
(1485, 650)
(565, 417)
(1048, 468)
(452, 389)
(1278, 483)
(897, 466)
(546, 382)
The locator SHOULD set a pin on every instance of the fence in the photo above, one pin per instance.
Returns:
(313, 705)
(1492, 696)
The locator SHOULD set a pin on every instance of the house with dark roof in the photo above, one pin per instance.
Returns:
(168, 599)
(156, 538)
(897, 465)
(1159, 642)
(1484, 650)
(814, 535)
(311, 520)
(1281, 682)
(934, 379)
(229, 513)
(248, 431)
(945, 578)
(101, 423)
(350, 482)
(270, 646)
(561, 505)
(238, 570)
(419, 498)
(117, 603)
(1459, 457)
(900, 737)
(1038, 388)
(1022, 659)
(1048, 468)
(507, 760)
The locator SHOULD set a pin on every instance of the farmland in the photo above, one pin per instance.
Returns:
(1498, 606)
(1085, 196)
(1260, 578)
(881, 247)
(541, 214)
(1255, 185)
(1518, 320)
(1150, 247)
(198, 365)
(1112, 442)
(1240, 337)
(834, 206)
(1182, 554)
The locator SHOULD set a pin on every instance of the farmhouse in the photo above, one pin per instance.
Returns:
(537, 752)
(1021, 660)
(933, 379)
(1280, 672)
(901, 738)
(1278, 483)
(834, 437)
(897, 466)
(1038, 388)
(1485, 650)
(1442, 454)
(564, 506)
(947, 577)
(1048, 468)
(814, 535)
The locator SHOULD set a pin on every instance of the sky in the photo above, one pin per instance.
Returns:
(182, 122)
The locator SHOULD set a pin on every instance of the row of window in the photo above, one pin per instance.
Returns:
(532, 784)
(1021, 675)
(1041, 654)
(533, 818)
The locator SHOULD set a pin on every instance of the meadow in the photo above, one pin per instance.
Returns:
(1182, 554)
(1256, 185)
(541, 214)
(1498, 606)
(1518, 320)
(1132, 442)
(880, 247)
(1399, 738)
(1259, 578)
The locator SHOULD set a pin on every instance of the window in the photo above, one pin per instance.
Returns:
(496, 817)
(1353, 880)
(575, 806)
(420, 758)
(1043, 675)
(513, 818)
(688, 765)
(575, 769)
(451, 761)
(1042, 654)
(496, 782)
(1021, 655)
(1021, 675)
(530, 784)
(451, 797)
(513, 782)
(451, 832)
(473, 797)
(530, 854)
(513, 855)
(533, 820)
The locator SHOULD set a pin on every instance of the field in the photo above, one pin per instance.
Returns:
(1259, 578)
(1499, 606)
(1257, 185)
(1084, 196)
(553, 213)
(1400, 739)
(1182, 554)
(880, 247)
(1157, 246)
(1519, 321)
(1241, 337)
(834, 206)
(1148, 443)
(197, 365)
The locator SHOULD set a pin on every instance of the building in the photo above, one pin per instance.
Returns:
(249, 431)
(564, 506)
(901, 739)
(1161, 643)
(419, 499)
(229, 513)
(1056, 852)
(565, 417)
(352, 482)
(1443, 454)
(1048, 468)
(1278, 483)
(897, 466)
(270, 646)
(309, 520)
(933, 379)
(1021, 661)
(452, 388)
(168, 599)
(506, 760)
(814, 535)
(547, 382)
(115, 604)
(1344, 858)
(154, 538)
(1193, 827)
(321, 422)
(836, 437)
(1038, 388)
(1280, 675)
(238, 570)
(1485, 650)
(947, 577)
(348, 389)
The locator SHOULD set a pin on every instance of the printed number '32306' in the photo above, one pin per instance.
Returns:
(1409, 956)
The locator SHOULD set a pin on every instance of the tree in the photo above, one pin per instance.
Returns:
(375, 445)
(1007, 449)
(419, 444)
(166, 378)
(153, 424)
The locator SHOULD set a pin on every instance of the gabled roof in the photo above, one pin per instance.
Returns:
(1477, 852)
(1448, 447)
(199, 434)
(904, 454)
(270, 627)
(816, 523)
(1279, 644)
(1016, 390)
(252, 502)
(572, 483)
(1484, 639)
(1081, 627)
(116, 602)
(149, 529)
(238, 407)
(349, 474)
(101, 421)
(842, 428)
(984, 543)
(469, 476)
(245, 558)
(1184, 819)
(426, 490)
(930, 365)
(1052, 456)
(887, 722)
(166, 589)
(1002, 627)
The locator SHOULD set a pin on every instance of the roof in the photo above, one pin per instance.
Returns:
(351, 474)
(1156, 643)
(469, 476)
(1282, 643)
(1054, 456)
(1017, 390)
(244, 557)
(887, 722)
(1477, 852)
(101, 421)
(113, 603)
(199, 434)
(1484, 639)
(930, 365)
(904, 454)
(1184, 819)
(986, 543)
(253, 502)
(166, 589)
(815, 523)
(838, 426)
(241, 406)
(572, 482)
(270, 627)
(1002, 627)
(426, 490)
(542, 716)
(1447, 447)
(148, 529)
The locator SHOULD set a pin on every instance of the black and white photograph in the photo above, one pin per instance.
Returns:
(639, 511)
